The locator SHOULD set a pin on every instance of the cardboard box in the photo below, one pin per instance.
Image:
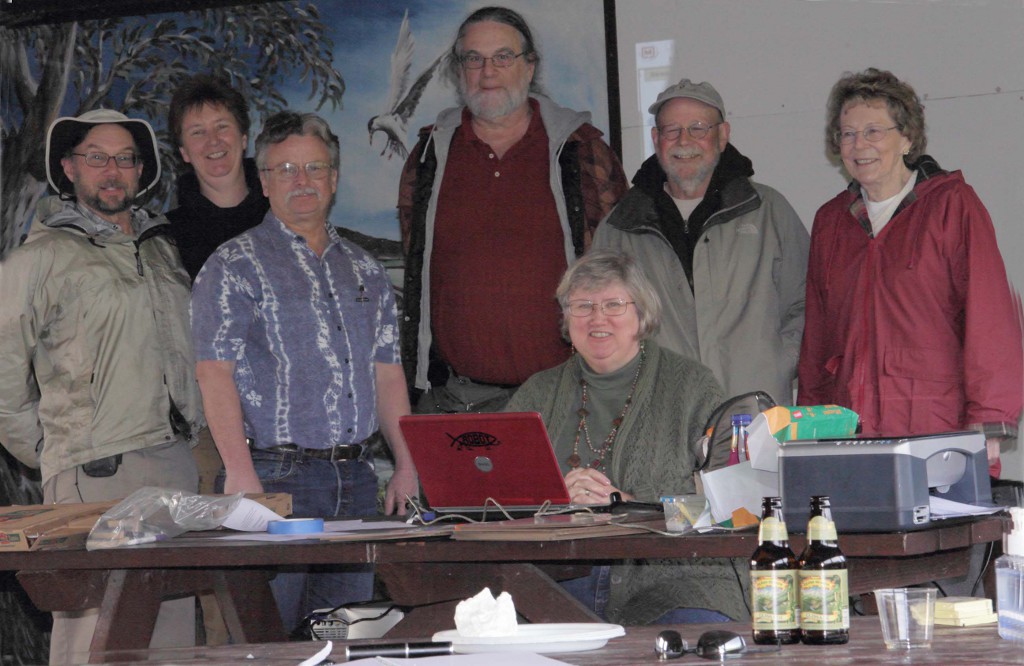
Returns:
(22, 526)
(785, 424)
(279, 503)
(66, 526)
(811, 422)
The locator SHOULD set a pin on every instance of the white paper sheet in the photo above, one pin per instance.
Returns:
(250, 516)
(331, 527)
(489, 659)
(941, 507)
(318, 658)
(735, 486)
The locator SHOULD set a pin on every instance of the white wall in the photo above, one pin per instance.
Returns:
(774, 62)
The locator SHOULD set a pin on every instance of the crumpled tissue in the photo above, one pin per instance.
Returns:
(485, 616)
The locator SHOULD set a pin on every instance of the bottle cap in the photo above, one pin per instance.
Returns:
(1015, 539)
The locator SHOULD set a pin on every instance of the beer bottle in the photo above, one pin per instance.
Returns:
(824, 590)
(773, 580)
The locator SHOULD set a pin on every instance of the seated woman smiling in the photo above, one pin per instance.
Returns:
(625, 415)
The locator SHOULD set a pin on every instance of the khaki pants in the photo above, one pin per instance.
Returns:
(209, 464)
(168, 466)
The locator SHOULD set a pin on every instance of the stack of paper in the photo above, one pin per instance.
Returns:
(964, 611)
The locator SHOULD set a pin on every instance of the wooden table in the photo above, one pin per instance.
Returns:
(950, 645)
(429, 575)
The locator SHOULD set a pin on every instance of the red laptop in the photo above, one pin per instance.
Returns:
(464, 459)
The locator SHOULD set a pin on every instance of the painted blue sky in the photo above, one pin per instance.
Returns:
(570, 34)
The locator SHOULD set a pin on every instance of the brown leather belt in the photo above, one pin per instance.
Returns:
(333, 454)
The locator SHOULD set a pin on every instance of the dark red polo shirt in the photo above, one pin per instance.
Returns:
(498, 254)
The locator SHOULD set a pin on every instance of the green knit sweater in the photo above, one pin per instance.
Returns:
(655, 452)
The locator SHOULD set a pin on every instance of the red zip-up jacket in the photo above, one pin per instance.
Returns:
(917, 329)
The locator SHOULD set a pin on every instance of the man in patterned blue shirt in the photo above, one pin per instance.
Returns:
(296, 339)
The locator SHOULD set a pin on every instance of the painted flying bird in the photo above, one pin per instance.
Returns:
(402, 102)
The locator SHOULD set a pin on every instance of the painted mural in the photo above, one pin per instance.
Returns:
(371, 67)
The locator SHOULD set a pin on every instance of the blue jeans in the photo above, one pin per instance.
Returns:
(594, 589)
(319, 489)
(591, 590)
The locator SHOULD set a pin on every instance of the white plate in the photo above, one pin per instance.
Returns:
(539, 638)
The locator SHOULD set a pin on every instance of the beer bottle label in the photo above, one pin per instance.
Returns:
(821, 528)
(774, 599)
(824, 600)
(772, 529)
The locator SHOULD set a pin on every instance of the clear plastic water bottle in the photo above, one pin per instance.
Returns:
(1010, 581)
(738, 445)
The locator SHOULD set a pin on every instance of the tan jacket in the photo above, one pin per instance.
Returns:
(94, 340)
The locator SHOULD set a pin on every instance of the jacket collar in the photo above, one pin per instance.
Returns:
(925, 168)
(730, 192)
(559, 122)
(67, 215)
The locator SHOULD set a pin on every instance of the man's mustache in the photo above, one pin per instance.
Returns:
(305, 191)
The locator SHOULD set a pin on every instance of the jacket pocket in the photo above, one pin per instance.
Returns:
(921, 390)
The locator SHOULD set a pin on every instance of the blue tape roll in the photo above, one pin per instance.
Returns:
(296, 526)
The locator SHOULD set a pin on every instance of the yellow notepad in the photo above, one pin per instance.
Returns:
(952, 608)
(971, 621)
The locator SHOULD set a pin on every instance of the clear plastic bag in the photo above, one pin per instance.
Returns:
(156, 514)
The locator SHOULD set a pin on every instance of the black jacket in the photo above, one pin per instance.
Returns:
(199, 226)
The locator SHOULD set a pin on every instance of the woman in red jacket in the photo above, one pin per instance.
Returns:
(910, 319)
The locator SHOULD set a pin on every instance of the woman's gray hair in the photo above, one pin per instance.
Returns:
(879, 85)
(284, 124)
(599, 268)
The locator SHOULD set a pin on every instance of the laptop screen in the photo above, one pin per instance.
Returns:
(464, 459)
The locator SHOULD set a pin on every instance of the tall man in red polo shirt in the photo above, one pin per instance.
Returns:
(496, 199)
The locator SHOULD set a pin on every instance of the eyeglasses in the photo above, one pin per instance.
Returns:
(289, 171)
(871, 134)
(99, 160)
(614, 307)
(501, 60)
(697, 131)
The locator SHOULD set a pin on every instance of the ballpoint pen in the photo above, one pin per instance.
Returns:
(405, 650)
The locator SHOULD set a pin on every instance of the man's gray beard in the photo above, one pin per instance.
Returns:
(692, 184)
(514, 99)
(97, 204)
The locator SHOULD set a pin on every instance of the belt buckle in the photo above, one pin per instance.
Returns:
(345, 447)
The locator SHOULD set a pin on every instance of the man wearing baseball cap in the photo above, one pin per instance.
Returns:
(97, 379)
(727, 255)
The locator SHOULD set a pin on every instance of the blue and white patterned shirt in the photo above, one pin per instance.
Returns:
(303, 331)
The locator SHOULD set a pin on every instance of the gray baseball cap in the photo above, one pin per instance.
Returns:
(702, 92)
(65, 133)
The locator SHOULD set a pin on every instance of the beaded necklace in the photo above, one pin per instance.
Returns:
(598, 463)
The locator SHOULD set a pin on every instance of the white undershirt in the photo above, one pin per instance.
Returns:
(880, 212)
(685, 206)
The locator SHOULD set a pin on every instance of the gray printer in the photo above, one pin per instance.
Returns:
(882, 484)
